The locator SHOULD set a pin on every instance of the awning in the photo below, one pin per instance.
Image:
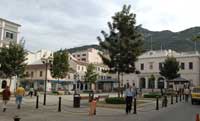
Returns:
(107, 81)
(179, 79)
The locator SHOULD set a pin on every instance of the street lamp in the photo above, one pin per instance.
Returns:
(46, 60)
(76, 77)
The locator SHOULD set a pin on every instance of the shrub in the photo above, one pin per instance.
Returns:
(55, 92)
(152, 95)
(115, 100)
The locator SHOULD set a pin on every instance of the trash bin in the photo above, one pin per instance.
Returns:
(77, 99)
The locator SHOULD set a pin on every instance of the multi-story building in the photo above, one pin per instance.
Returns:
(9, 31)
(74, 79)
(90, 55)
(149, 63)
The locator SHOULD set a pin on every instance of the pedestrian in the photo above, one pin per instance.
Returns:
(187, 93)
(20, 92)
(31, 91)
(6, 97)
(128, 98)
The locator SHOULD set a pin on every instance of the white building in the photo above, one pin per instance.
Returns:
(149, 63)
(9, 32)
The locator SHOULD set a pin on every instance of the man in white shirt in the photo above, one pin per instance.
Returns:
(129, 98)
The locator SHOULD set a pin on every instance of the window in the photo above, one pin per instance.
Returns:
(83, 59)
(40, 73)
(27, 73)
(82, 68)
(151, 65)
(9, 35)
(68, 76)
(182, 66)
(142, 66)
(160, 66)
(78, 55)
(74, 55)
(83, 54)
(190, 65)
(32, 74)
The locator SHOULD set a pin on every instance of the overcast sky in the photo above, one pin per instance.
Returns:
(54, 24)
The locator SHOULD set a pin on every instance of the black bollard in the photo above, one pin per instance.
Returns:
(157, 103)
(165, 101)
(59, 105)
(176, 98)
(135, 106)
(172, 101)
(180, 98)
(37, 102)
(16, 118)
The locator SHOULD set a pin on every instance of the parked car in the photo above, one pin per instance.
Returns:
(195, 95)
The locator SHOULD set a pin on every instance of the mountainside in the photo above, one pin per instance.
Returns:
(178, 41)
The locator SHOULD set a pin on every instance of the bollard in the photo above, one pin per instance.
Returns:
(37, 102)
(135, 106)
(59, 105)
(197, 117)
(183, 97)
(165, 101)
(157, 103)
(172, 101)
(180, 98)
(176, 98)
(16, 118)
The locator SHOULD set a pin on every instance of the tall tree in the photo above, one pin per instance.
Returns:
(91, 75)
(195, 39)
(60, 65)
(12, 61)
(123, 44)
(170, 68)
(152, 82)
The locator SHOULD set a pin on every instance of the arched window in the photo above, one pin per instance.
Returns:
(142, 83)
(4, 84)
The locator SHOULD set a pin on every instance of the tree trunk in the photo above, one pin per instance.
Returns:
(118, 78)
(57, 85)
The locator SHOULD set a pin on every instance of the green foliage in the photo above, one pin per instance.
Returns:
(115, 100)
(90, 74)
(151, 80)
(60, 65)
(152, 95)
(170, 68)
(123, 44)
(12, 60)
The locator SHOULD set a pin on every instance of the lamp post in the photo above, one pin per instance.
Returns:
(46, 60)
(76, 79)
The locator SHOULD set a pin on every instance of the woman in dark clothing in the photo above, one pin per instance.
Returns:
(6, 97)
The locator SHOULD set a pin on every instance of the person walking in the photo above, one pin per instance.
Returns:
(187, 93)
(6, 97)
(20, 92)
(31, 91)
(128, 98)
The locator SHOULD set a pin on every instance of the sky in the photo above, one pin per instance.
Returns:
(55, 24)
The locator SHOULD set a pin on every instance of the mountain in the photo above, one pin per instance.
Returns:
(178, 41)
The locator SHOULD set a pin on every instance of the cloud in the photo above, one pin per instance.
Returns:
(53, 24)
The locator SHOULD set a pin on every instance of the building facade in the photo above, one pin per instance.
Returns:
(90, 55)
(149, 63)
(9, 32)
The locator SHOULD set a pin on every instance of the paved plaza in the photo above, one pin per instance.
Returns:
(177, 112)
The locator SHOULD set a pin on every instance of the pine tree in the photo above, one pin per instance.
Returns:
(123, 44)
